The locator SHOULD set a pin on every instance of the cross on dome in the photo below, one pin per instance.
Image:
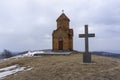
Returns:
(62, 11)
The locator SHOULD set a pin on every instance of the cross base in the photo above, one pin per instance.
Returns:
(87, 57)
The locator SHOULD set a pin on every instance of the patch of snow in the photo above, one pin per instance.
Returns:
(11, 70)
(6, 73)
(28, 69)
(32, 53)
(8, 68)
(39, 52)
(51, 52)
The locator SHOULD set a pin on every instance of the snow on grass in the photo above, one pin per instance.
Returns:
(39, 53)
(11, 70)
(32, 53)
(8, 68)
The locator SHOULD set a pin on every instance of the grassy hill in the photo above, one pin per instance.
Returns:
(65, 68)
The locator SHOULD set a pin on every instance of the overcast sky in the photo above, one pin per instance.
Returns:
(28, 24)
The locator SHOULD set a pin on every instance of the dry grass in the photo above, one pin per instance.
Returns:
(65, 68)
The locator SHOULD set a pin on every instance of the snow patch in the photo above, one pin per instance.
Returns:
(11, 70)
(39, 53)
(8, 68)
(43, 52)
(32, 53)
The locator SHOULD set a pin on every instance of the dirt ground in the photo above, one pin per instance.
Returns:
(65, 67)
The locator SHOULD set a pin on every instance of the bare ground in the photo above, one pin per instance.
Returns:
(65, 68)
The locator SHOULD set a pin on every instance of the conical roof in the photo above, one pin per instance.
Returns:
(63, 17)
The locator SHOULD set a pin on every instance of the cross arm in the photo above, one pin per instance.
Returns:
(81, 35)
(89, 35)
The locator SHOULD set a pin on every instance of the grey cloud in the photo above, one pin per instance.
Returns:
(28, 24)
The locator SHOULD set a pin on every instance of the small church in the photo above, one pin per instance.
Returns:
(62, 37)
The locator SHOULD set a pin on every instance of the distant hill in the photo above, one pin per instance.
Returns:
(108, 54)
(8, 54)
(114, 51)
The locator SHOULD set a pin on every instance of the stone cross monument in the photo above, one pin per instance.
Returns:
(86, 55)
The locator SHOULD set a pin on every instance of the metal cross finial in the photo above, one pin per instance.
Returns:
(62, 11)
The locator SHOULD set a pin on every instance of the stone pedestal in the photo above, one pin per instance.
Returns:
(87, 58)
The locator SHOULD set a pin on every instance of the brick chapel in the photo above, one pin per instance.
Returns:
(62, 37)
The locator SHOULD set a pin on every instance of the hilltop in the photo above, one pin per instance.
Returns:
(64, 67)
